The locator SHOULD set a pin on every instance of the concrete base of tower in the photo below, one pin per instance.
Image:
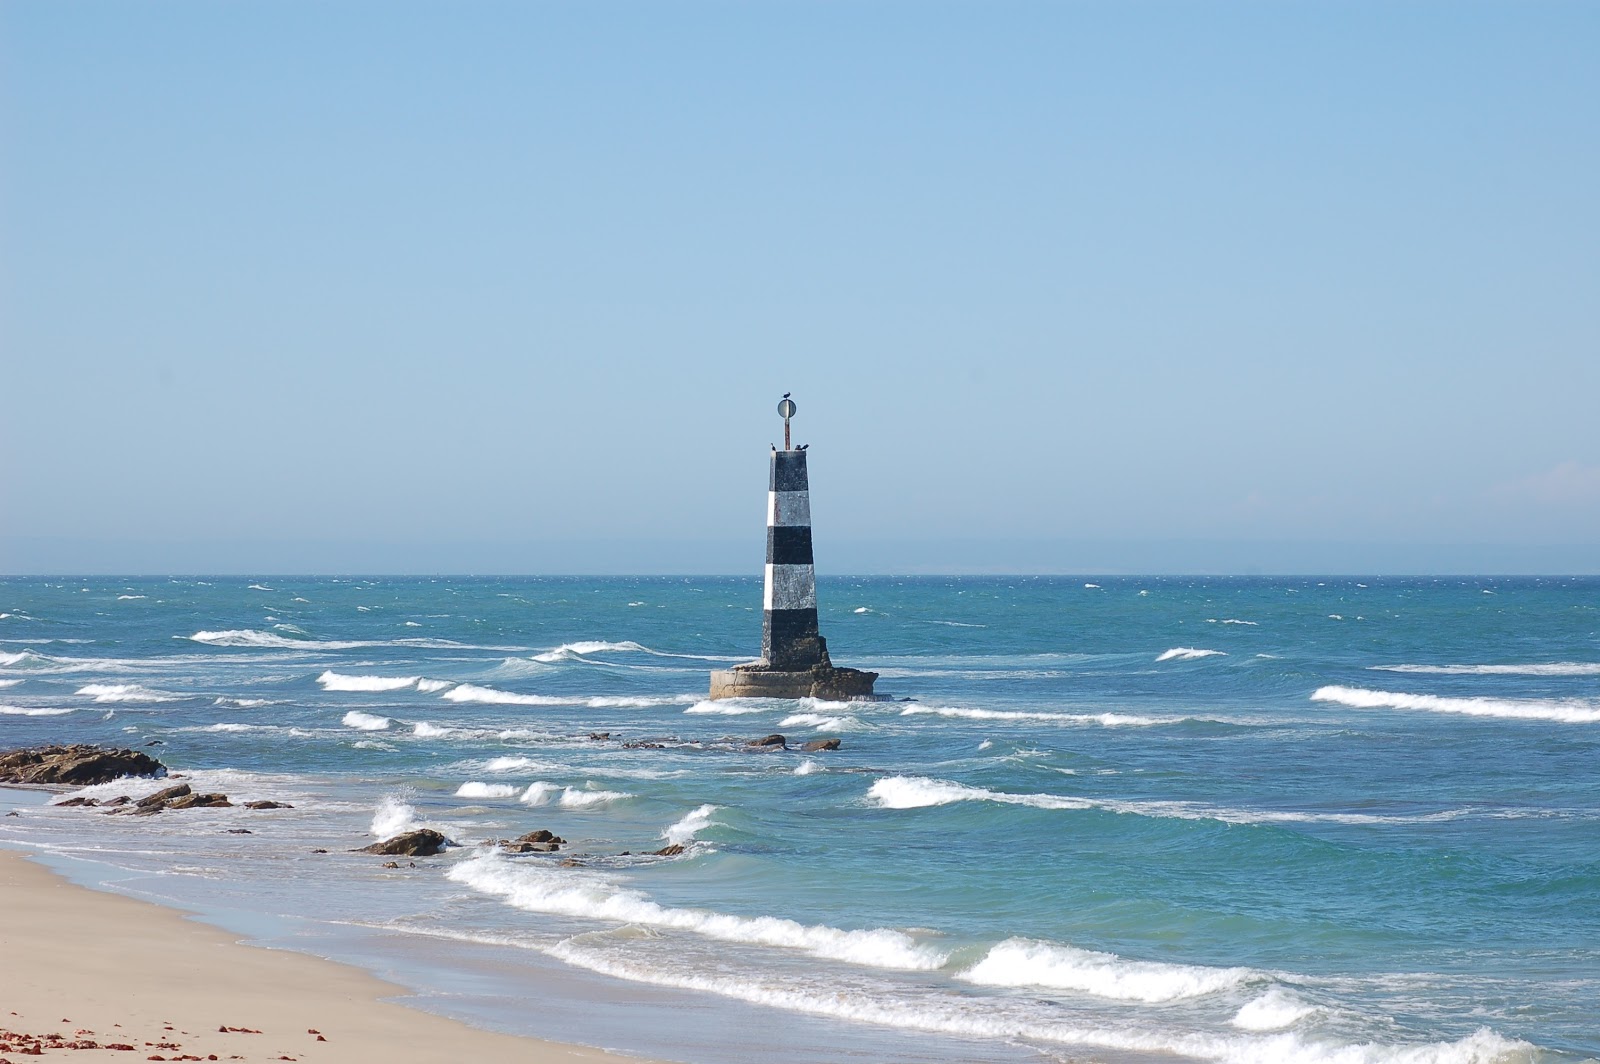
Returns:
(758, 680)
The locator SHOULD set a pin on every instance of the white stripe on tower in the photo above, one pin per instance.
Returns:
(788, 508)
(790, 587)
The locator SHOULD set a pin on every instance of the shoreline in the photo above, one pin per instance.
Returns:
(95, 966)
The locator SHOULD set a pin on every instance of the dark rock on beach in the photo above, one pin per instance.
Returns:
(80, 800)
(163, 796)
(79, 765)
(821, 744)
(424, 842)
(200, 801)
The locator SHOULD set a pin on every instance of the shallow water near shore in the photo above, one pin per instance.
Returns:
(1124, 819)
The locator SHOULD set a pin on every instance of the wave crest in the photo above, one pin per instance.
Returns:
(1563, 711)
(1025, 962)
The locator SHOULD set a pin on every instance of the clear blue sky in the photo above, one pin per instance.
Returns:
(515, 287)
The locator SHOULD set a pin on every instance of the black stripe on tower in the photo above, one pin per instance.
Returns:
(789, 545)
(790, 640)
(788, 471)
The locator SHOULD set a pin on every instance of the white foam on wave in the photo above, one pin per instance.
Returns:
(123, 692)
(920, 792)
(1026, 962)
(338, 681)
(423, 730)
(10, 683)
(21, 711)
(1231, 620)
(128, 598)
(1189, 654)
(568, 651)
(808, 767)
(1108, 720)
(515, 764)
(683, 831)
(970, 1017)
(471, 692)
(575, 651)
(1273, 1011)
(428, 687)
(542, 793)
(589, 895)
(1552, 668)
(819, 721)
(244, 703)
(1564, 711)
(394, 816)
(365, 721)
(261, 587)
(486, 790)
(253, 638)
(729, 708)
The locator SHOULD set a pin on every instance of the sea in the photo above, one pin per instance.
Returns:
(1130, 819)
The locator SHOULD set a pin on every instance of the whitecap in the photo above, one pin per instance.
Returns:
(588, 895)
(128, 598)
(471, 692)
(808, 767)
(335, 681)
(123, 692)
(1108, 720)
(819, 721)
(365, 721)
(1025, 962)
(423, 730)
(683, 831)
(541, 793)
(486, 790)
(21, 711)
(1189, 654)
(10, 683)
(1565, 711)
(1274, 1010)
(1552, 668)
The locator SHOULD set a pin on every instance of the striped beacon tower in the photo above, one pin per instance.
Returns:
(794, 656)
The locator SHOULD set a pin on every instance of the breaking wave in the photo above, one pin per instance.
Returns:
(570, 892)
(576, 651)
(123, 692)
(1565, 711)
(486, 790)
(250, 637)
(1025, 962)
(1189, 654)
(1553, 668)
(365, 721)
(683, 832)
(1273, 1011)
(471, 692)
(1109, 720)
(19, 711)
(393, 817)
(541, 793)
(919, 792)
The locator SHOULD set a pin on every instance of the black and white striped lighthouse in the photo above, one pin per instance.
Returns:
(794, 656)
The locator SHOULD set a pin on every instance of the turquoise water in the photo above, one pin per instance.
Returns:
(1124, 819)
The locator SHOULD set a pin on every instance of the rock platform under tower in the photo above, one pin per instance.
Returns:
(820, 681)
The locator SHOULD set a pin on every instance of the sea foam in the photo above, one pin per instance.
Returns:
(365, 721)
(542, 793)
(1552, 668)
(122, 692)
(1024, 962)
(683, 832)
(1565, 711)
(1189, 654)
(486, 790)
(1273, 1011)
(571, 892)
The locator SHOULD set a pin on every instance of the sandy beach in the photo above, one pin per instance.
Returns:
(120, 979)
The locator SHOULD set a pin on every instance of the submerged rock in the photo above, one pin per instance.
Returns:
(771, 742)
(672, 850)
(80, 765)
(263, 804)
(199, 801)
(424, 842)
(821, 744)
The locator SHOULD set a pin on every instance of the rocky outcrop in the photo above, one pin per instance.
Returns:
(77, 766)
(423, 842)
(540, 841)
(817, 745)
(760, 680)
(200, 801)
(771, 742)
(263, 804)
(162, 796)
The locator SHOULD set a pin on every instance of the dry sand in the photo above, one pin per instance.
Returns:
(94, 967)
